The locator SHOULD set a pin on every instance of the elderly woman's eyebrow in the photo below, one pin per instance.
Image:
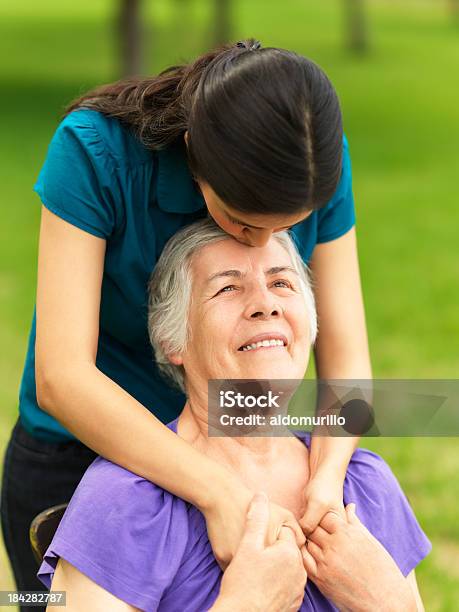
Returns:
(280, 269)
(224, 273)
(239, 274)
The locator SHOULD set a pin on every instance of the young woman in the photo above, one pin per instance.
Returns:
(252, 137)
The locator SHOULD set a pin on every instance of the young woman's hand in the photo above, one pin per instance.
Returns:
(226, 519)
(353, 569)
(261, 576)
(323, 493)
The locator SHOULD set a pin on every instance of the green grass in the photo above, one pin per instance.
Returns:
(401, 110)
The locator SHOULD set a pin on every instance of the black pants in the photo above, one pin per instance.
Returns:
(36, 475)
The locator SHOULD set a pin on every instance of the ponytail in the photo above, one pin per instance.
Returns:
(156, 108)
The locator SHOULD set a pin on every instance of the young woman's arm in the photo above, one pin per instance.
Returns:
(98, 411)
(341, 352)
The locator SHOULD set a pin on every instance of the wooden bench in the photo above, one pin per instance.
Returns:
(42, 529)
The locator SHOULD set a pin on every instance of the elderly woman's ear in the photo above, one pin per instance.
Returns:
(175, 359)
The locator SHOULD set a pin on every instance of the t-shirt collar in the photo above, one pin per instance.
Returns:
(176, 191)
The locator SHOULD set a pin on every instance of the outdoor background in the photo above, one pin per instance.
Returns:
(400, 99)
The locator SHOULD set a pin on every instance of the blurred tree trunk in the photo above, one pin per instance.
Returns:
(130, 38)
(222, 27)
(454, 10)
(356, 26)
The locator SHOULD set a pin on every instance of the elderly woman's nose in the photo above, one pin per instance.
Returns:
(262, 304)
(265, 313)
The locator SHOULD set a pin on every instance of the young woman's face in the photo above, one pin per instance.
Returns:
(250, 229)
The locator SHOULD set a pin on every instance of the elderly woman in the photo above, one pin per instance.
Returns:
(212, 296)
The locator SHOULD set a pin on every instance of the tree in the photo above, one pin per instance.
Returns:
(222, 29)
(130, 37)
(454, 10)
(355, 26)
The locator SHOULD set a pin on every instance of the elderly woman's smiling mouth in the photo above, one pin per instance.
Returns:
(268, 340)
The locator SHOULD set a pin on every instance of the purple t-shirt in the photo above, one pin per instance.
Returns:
(150, 548)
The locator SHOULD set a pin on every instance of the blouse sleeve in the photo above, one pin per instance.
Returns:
(384, 509)
(78, 180)
(123, 532)
(338, 216)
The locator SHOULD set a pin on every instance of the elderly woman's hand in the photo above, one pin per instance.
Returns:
(226, 519)
(263, 576)
(353, 569)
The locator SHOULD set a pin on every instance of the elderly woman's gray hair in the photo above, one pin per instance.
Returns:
(170, 292)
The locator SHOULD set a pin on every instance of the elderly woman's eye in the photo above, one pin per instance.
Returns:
(282, 284)
(226, 289)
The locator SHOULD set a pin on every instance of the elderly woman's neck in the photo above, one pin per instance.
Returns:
(194, 428)
(278, 466)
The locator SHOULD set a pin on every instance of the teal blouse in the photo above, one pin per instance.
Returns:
(100, 178)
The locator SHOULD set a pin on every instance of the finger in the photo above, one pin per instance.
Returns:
(319, 536)
(311, 517)
(296, 605)
(293, 524)
(309, 562)
(332, 521)
(286, 534)
(351, 516)
(315, 551)
(257, 522)
(300, 585)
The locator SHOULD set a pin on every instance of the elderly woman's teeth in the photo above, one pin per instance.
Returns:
(256, 345)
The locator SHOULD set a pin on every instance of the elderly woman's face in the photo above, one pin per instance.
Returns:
(247, 317)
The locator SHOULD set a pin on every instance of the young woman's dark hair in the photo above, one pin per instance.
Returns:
(264, 125)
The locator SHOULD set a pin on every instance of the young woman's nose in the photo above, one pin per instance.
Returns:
(257, 237)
